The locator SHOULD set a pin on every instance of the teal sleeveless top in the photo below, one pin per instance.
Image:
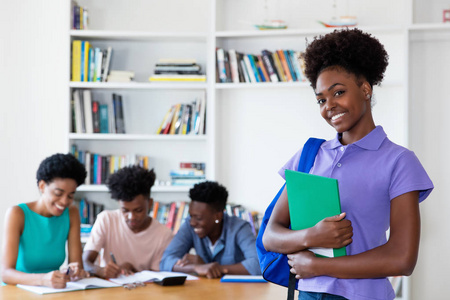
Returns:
(42, 245)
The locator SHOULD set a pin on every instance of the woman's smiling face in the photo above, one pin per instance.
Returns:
(345, 102)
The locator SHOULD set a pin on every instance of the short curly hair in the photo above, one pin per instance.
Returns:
(61, 165)
(129, 182)
(210, 192)
(355, 51)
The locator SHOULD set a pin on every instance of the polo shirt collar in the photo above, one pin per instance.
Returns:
(372, 141)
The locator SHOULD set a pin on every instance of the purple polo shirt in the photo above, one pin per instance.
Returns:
(370, 173)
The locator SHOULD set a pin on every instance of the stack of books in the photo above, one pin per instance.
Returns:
(188, 174)
(120, 76)
(276, 66)
(177, 70)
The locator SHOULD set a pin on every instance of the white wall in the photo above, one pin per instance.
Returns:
(33, 83)
(429, 131)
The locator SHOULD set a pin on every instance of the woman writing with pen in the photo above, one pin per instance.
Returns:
(35, 236)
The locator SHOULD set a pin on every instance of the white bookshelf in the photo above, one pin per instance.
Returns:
(252, 129)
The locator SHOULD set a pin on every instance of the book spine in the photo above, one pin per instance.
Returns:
(254, 67)
(250, 70)
(76, 60)
(268, 64)
(279, 67)
(233, 66)
(221, 65)
(87, 46)
(290, 65)
(284, 65)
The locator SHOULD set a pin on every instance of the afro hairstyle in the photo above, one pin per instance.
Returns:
(61, 165)
(210, 192)
(353, 50)
(129, 182)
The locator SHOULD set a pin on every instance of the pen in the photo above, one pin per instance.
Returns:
(112, 257)
(68, 270)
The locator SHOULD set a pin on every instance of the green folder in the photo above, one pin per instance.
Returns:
(312, 198)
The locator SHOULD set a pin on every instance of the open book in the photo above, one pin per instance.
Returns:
(82, 284)
(149, 276)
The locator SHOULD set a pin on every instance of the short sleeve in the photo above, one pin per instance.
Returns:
(291, 164)
(97, 237)
(409, 175)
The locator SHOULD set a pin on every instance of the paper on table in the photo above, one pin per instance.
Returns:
(82, 284)
(146, 276)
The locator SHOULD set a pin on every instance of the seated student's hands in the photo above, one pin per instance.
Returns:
(111, 270)
(302, 264)
(190, 259)
(211, 270)
(55, 279)
(75, 273)
(331, 232)
(127, 269)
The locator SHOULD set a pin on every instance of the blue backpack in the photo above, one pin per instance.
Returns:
(274, 266)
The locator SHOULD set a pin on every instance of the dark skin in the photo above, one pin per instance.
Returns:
(135, 214)
(203, 220)
(344, 103)
(56, 196)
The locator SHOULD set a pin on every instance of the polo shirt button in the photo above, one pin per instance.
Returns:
(339, 165)
(342, 149)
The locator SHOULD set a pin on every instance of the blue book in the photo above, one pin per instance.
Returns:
(104, 121)
(83, 44)
(254, 67)
(291, 67)
(243, 278)
(94, 175)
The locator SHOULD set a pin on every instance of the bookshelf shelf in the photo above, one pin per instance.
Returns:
(136, 137)
(155, 189)
(300, 32)
(138, 85)
(138, 35)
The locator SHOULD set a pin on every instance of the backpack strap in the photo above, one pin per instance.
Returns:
(308, 155)
(305, 164)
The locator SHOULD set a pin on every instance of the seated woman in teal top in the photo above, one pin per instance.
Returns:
(34, 241)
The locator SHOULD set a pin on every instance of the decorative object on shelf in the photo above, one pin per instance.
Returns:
(342, 21)
(446, 15)
(269, 24)
(272, 24)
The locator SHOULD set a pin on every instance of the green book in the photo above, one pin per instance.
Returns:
(312, 198)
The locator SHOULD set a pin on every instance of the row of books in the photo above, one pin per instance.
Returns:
(188, 174)
(170, 214)
(90, 63)
(89, 210)
(276, 66)
(185, 118)
(251, 217)
(80, 16)
(173, 70)
(91, 116)
(100, 167)
(174, 214)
